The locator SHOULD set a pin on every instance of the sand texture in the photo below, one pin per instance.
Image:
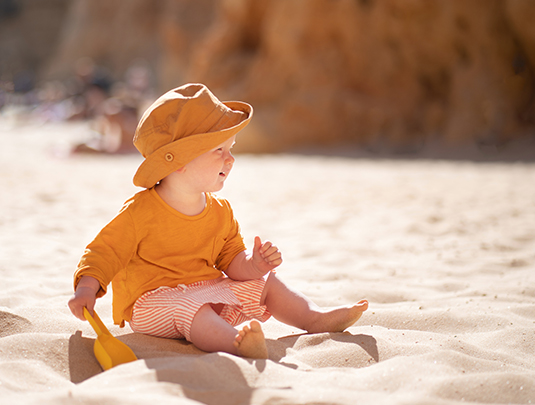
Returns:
(443, 250)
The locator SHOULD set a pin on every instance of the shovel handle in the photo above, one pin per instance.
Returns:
(96, 323)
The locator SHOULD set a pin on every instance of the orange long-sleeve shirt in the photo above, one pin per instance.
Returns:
(150, 245)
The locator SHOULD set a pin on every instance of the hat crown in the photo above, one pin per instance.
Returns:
(187, 110)
(182, 124)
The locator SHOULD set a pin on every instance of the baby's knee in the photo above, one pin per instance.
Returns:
(271, 280)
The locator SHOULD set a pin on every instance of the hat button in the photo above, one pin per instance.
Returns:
(169, 157)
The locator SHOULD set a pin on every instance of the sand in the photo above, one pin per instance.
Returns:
(443, 250)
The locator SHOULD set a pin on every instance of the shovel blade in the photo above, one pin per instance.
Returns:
(102, 355)
(108, 350)
(111, 352)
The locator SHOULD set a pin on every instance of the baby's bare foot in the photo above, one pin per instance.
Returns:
(338, 319)
(250, 342)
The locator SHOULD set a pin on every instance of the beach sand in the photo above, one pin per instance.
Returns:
(443, 250)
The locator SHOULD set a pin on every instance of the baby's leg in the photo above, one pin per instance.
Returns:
(209, 332)
(293, 308)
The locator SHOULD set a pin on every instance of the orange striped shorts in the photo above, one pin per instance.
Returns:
(168, 312)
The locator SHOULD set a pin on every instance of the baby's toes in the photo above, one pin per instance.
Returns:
(255, 326)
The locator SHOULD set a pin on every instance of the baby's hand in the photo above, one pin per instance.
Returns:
(266, 256)
(84, 296)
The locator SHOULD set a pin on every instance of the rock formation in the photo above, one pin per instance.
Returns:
(373, 72)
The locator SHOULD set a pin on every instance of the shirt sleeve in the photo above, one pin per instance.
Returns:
(233, 242)
(109, 252)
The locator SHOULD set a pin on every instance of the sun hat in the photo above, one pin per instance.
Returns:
(182, 124)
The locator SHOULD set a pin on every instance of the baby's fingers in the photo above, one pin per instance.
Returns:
(265, 247)
(77, 310)
(275, 261)
(268, 250)
(257, 244)
(274, 257)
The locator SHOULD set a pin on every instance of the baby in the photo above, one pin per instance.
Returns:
(174, 253)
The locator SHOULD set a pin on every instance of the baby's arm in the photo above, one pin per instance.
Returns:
(265, 258)
(84, 296)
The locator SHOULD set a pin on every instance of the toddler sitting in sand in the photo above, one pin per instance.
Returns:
(174, 253)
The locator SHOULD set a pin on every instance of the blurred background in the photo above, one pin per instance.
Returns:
(381, 75)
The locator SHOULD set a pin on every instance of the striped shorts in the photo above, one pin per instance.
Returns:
(168, 312)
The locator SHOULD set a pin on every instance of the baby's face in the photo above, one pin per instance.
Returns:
(209, 171)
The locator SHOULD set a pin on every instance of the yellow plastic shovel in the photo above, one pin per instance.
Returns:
(109, 350)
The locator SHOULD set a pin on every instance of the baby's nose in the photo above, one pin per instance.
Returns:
(230, 159)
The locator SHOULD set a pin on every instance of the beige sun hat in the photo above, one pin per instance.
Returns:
(182, 124)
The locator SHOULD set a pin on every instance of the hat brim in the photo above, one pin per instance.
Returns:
(165, 160)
